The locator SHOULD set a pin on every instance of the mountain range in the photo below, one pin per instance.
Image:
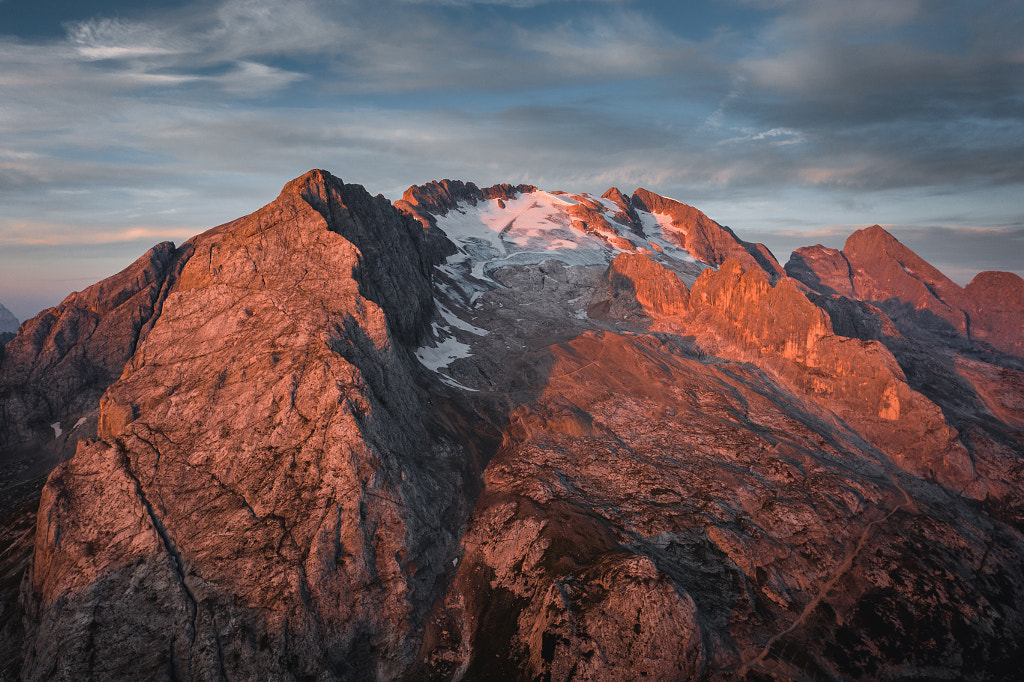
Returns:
(506, 433)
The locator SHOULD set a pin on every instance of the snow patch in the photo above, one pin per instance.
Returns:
(657, 226)
(56, 429)
(535, 223)
(444, 353)
(537, 226)
(447, 380)
(455, 321)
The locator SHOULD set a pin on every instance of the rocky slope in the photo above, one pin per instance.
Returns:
(504, 433)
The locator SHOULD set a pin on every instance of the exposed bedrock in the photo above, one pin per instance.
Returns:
(571, 438)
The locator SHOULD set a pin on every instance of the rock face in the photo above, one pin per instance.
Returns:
(65, 357)
(263, 476)
(513, 434)
(740, 315)
(922, 302)
(703, 237)
(910, 290)
(996, 302)
(949, 342)
(823, 269)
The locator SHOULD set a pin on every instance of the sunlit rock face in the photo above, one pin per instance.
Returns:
(263, 478)
(505, 433)
(996, 301)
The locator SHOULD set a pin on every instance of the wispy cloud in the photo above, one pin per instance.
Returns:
(41, 233)
(520, 4)
(810, 113)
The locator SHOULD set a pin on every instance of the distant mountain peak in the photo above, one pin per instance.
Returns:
(8, 322)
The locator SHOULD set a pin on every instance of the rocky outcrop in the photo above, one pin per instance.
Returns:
(425, 202)
(626, 213)
(904, 285)
(394, 264)
(658, 290)
(923, 303)
(588, 216)
(265, 479)
(705, 239)
(65, 357)
(741, 316)
(996, 301)
(949, 342)
(823, 269)
(655, 513)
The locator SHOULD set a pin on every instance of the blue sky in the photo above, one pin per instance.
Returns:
(793, 121)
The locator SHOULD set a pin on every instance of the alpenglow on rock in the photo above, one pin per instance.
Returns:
(507, 433)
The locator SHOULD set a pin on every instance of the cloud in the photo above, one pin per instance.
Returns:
(803, 114)
(42, 233)
(518, 4)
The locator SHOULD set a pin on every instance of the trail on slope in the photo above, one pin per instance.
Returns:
(839, 571)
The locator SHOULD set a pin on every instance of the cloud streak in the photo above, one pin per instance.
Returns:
(798, 114)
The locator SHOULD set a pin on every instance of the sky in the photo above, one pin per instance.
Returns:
(795, 122)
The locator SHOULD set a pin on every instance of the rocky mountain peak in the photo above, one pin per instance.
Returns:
(822, 269)
(876, 267)
(510, 433)
(8, 322)
(625, 214)
(874, 236)
(439, 197)
(703, 237)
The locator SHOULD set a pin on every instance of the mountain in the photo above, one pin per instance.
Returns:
(8, 325)
(506, 433)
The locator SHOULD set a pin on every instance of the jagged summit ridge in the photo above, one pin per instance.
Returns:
(875, 267)
(508, 433)
(644, 222)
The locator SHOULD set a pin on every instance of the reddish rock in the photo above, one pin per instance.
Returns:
(939, 335)
(264, 480)
(658, 290)
(997, 310)
(626, 213)
(63, 359)
(741, 316)
(587, 216)
(710, 533)
(823, 269)
(924, 304)
(715, 485)
(705, 239)
(904, 285)
(437, 198)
